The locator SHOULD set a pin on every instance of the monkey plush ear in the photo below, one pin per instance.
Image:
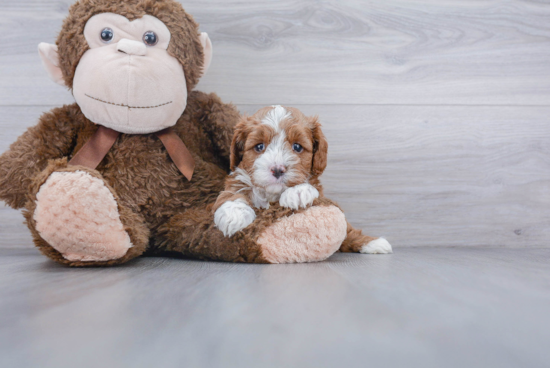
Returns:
(207, 49)
(50, 59)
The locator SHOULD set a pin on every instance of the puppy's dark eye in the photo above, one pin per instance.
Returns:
(107, 35)
(150, 38)
(259, 147)
(297, 148)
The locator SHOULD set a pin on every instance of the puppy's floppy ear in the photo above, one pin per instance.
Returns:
(239, 139)
(320, 147)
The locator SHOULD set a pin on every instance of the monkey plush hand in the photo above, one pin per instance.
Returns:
(136, 164)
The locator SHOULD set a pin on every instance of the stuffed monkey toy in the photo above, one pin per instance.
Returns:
(135, 165)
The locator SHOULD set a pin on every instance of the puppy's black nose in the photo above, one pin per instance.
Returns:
(278, 172)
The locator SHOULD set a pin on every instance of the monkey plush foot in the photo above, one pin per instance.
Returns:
(309, 236)
(78, 216)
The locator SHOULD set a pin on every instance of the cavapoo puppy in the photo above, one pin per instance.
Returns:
(277, 156)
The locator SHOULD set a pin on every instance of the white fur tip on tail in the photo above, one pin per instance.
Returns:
(377, 246)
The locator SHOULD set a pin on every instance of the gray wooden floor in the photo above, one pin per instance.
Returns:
(420, 307)
(437, 114)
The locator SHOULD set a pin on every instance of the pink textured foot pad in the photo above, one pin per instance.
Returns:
(310, 236)
(78, 216)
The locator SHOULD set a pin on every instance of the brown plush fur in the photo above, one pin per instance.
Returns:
(146, 184)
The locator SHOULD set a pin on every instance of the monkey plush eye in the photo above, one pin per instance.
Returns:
(107, 35)
(297, 148)
(259, 147)
(150, 38)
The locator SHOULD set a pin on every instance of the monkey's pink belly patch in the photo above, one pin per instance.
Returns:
(310, 236)
(78, 216)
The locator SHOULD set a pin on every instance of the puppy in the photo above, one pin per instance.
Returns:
(277, 156)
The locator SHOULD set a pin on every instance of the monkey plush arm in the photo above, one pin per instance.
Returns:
(218, 119)
(51, 138)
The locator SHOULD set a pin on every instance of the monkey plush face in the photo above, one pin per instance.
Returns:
(127, 81)
(128, 78)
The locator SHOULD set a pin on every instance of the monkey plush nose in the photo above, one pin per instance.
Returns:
(131, 47)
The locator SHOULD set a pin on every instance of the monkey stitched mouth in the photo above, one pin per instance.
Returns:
(130, 107)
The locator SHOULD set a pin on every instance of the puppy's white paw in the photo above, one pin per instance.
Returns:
(233, 216)
(301, 195)
(377, 246)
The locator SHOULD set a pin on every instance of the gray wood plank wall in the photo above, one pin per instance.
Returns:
(437, 112)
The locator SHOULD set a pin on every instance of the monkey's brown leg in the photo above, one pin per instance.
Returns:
(356, 242)
(77, 219)
(192, 233)
(277, 235)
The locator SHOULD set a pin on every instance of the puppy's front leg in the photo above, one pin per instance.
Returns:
(301, 195)
(233, 216)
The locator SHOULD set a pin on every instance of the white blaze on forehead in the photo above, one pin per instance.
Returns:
(274, 117)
